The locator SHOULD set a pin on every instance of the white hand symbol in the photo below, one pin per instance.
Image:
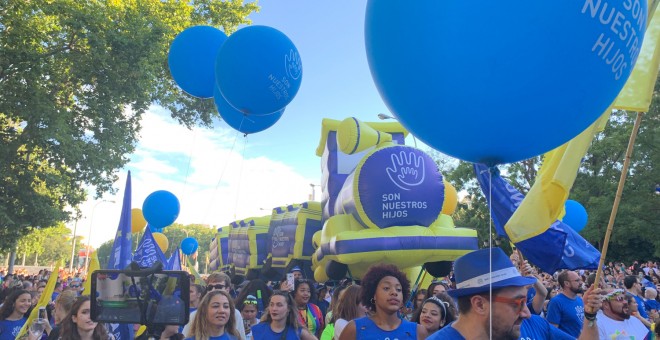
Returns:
(407, 170)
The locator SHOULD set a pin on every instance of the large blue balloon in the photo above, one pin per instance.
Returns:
(189, 245)
(246, 123)
(160, 209)
(497, 82)
(576, 215)
(258, 70)
(192, 59)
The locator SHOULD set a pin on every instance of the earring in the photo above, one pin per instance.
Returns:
(373, 302)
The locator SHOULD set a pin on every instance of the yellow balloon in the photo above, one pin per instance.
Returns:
(451, 199)
(162, 241)
(137, 220)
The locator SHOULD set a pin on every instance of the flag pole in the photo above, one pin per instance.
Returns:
(617, 198)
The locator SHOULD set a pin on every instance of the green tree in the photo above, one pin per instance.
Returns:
(75, 79)
(48, 245)
(202, 233)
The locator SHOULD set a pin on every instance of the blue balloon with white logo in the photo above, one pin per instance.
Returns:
(160, 209)
(504, 81)
(258, 70)
(189, 245)
(192, 58)
(576, 215)
(245, 123)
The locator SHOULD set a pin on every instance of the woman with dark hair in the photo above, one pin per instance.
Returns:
(78, 324)
(349, 308)
(280, 321)
(435, 288)
(13, 313)
(309, 314)
(436, 312)
(384, 290)
(215, 318)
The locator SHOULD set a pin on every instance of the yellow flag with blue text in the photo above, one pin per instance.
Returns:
(636, 95)
(43, 300)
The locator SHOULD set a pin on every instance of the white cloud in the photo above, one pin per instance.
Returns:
(220, 185)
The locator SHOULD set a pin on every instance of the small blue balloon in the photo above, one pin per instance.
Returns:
(161, 208)
(576, 215)
(506, 82)
(192, 59)
(245, 123)
(258, 70)
(189, 245)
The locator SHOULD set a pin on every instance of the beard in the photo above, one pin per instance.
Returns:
(578, 290)
(503, 331)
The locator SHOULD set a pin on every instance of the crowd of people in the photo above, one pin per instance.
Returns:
(488, 295)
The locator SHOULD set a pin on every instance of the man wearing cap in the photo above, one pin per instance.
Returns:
(474, 282)
(614, 321)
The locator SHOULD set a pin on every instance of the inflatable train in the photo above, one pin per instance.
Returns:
(382, 202)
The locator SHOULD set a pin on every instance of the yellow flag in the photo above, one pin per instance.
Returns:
(93, 265)
(198, 278)
(43, 300)
(636, 95)
(544, 203)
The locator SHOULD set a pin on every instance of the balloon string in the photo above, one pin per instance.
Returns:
(240, 175)
(222, 173)
(490, 252)
(190, 154)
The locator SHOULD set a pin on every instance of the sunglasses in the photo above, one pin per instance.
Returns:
(617, 297)
(75, 286)
(519, 303)
(250, 302)
(218, 286)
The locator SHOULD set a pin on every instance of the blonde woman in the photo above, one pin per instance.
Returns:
(214, 319)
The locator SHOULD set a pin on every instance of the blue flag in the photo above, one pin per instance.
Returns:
(148, 251)
(559, 247)
(120, 255)
(174, 262)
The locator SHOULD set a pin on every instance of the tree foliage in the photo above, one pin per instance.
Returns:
(638, 217)
(49, 244)
(75, 79)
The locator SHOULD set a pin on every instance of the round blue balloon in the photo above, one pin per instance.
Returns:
(576, 215)
(189, 245)
(161, 208)
(506, 82)
(192, 59)
(258, 70)
(246, 123)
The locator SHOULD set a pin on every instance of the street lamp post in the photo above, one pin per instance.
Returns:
(89, 236)
(313, 191)
(73, 245)
(383, 116)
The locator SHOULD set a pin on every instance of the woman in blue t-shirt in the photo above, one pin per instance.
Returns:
(13, 313)
(280, 322)
(384, 290)
(215, 318)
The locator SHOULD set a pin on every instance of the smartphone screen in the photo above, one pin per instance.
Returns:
(290, 281)
(42, 313)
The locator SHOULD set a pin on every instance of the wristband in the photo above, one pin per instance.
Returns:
(590, 316)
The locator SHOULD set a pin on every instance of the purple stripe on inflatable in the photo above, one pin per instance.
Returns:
(398, 243)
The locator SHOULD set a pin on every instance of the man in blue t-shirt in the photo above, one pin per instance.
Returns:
(634, 287)
(566, 310)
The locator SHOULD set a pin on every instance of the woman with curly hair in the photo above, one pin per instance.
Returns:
(281, 320)
(215, 318)
(384, 290)
(13, 313)
(78, 324)
(436, 312)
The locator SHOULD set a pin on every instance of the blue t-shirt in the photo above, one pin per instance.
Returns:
(537, 328)
(9, 329)
(566, 313)
(652, 304)
(225, 336)
(447, 332)
(640, 307)
(365, 329)
(262, 331)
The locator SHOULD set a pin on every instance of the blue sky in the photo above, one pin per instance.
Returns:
(216, 175)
